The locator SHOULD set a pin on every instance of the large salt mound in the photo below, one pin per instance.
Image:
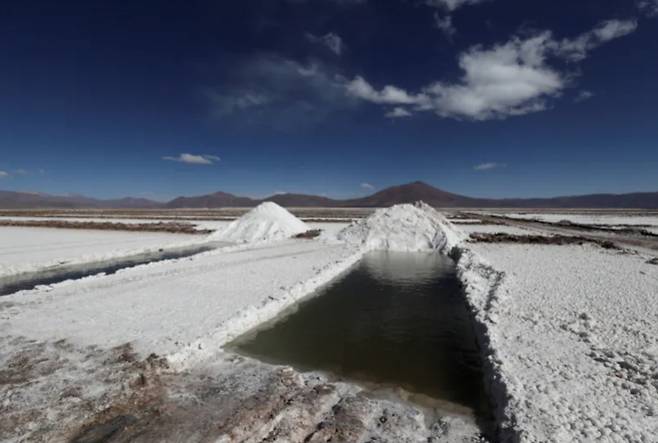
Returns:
(405, 227)
(267, 221)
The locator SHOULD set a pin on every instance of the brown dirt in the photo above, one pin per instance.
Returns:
(207, 407)
(47, 390)
(481, 222)
(539, 239)
(275, 405)
(313, 233)
(55, 392)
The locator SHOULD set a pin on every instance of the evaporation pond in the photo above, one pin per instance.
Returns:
(396, 320)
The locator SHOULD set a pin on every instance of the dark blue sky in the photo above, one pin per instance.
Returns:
(336, 97)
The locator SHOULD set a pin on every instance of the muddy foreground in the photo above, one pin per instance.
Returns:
(55, 392)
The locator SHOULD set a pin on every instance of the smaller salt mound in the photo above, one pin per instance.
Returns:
(268, 221)
(405, 227)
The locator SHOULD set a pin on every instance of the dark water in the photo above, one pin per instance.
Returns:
(398, 320)
(61, 273)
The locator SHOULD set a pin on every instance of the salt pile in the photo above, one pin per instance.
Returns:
(268, 221)
(417, 227)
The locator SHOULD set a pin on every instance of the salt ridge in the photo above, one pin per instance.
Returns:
(405, 227)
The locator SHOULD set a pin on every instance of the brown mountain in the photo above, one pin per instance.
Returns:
(28, 200)
(216, 200)
(407, 193)
(410, 193)
(34, 200)
(303, 200)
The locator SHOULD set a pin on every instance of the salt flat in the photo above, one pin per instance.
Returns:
(575, 334)
(569, 332)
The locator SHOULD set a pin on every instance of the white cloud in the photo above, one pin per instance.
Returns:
(444, 24)
(332, 41)
(451, 5)
(367, 186)
(612, 29)
(390, 95)
(194, 159)
(513, 78)
(398, 112)
(509, 79)
(489, 166)
(4, 174)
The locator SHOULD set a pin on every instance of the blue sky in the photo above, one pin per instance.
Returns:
(491, 98)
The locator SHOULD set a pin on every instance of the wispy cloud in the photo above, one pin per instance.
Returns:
(23, 172)
(331, 41)
(389, 95)
(508, 79)
(489, 166)
(398, 112)
(578, 48)
(279, 92)
(445, 25)
(443, 16)
(193, 159)
(648, 7)
(367, 186)
(338, 2)
(451, 5)
(19, 172)
(583, 96)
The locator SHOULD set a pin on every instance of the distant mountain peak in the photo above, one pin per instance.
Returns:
(405, 193)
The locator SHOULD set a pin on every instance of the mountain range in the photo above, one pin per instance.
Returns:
(406, 193)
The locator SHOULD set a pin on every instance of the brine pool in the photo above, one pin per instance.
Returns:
(396, 322)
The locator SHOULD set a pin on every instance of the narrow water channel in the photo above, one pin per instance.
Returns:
(56, 274)
(397, 320)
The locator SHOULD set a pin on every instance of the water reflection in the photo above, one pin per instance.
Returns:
(407, 268)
